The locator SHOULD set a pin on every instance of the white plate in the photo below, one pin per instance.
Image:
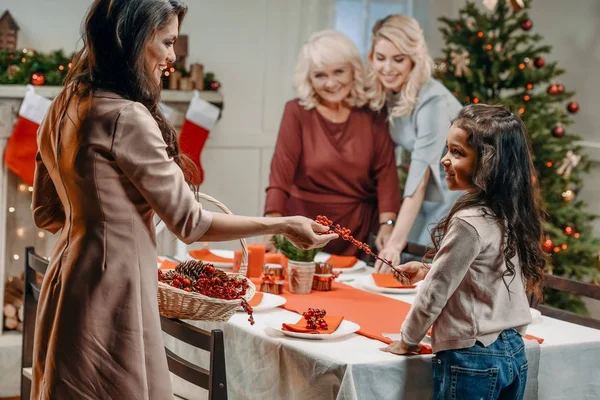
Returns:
(359, 266)
(367, 282)
(345, 328)
(220, 253)
(269, 302)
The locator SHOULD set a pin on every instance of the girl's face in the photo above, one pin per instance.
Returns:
(460, 160)
(332, 83)
(160, 51)
(392, 67)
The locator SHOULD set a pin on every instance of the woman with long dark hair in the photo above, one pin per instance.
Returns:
(108, 161)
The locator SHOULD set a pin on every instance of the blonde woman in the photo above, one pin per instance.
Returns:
(420, 110)
(333, 155)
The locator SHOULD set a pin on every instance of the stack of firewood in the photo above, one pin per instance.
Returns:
(13, 303)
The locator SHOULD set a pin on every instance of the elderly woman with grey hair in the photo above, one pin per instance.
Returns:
(334, 156)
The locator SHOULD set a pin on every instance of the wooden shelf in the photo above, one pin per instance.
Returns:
(168, 96)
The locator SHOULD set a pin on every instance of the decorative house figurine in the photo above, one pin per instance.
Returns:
(9, 31)
(181, 51)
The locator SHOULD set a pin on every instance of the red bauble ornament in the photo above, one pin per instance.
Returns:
(547, 245)
(561, 88)
(552, 90)
(37, 79)
(526, 25)
(215, 85)
(558, 131)
(539, 62)
(572, 107)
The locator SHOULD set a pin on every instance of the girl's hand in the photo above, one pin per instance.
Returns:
(385, 231)
(414, 271)
(304, 233)
(400, 348)
(389, 252)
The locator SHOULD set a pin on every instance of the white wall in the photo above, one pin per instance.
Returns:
(252, 47)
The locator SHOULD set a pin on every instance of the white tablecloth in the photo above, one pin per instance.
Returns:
(263, 364)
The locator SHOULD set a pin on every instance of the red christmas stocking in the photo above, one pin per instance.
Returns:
(200, 118)
(19, 155)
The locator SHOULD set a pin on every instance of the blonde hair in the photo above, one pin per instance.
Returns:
(406, 34)
(326, 48)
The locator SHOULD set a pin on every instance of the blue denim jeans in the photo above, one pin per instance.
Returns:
(498, 371)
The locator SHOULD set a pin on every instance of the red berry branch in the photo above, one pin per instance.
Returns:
(345, 234)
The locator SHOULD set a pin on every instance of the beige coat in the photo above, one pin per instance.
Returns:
(98, 332)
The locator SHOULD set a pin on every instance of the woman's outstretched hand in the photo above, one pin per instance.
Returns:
(304, 233)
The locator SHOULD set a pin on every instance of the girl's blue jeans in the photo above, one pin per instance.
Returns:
(498, 371)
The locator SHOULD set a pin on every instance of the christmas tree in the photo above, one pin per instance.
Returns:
(491, 56)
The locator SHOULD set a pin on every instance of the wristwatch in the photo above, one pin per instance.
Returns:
(389, 222)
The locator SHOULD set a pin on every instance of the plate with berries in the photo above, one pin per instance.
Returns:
(313, 324)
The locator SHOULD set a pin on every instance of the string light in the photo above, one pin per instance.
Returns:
(521, 66)
(25, 51)
(549, 164)
(564, 246)
(480, 34)
(11, 209)
(172, 69)
(22, 187)
(16, 256)
(475, 100)
(61, 67)
(529, 86)
(20, 232)
(521, 110)
(488, 47)
(23, 60)
(30, 188)
(70, 65)
(556, 249)
(577, 235)
(41, 235)
(167, 73)
(526, 97)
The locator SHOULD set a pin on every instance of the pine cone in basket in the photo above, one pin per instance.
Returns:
(195, 269)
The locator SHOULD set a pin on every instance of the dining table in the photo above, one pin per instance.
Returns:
(263, 362)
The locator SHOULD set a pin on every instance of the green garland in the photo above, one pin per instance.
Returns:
(17, 67)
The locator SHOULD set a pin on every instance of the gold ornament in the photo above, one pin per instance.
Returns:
(568, 163)
(440, 65)
(461, 63)
(568, 196)
(516, 5)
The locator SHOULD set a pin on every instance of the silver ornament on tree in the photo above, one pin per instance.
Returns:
(568, 163)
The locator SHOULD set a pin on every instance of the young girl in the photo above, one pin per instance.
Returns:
(488, 256)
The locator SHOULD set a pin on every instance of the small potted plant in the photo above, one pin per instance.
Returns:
(301, 264)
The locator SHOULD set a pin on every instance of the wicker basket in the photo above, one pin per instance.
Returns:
(177, 303)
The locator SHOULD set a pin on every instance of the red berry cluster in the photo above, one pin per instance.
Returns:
(314, 319)
(219, 286)
(345, 234)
